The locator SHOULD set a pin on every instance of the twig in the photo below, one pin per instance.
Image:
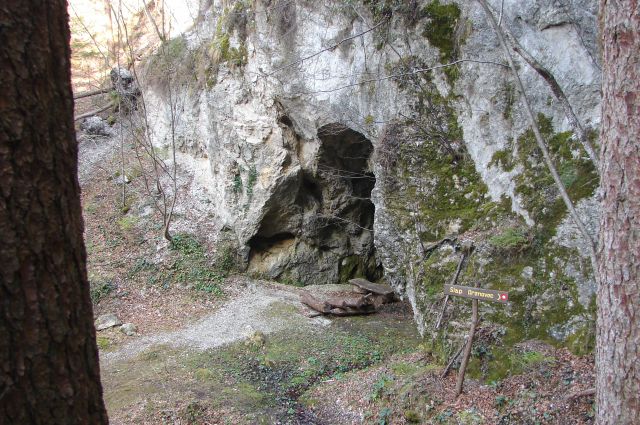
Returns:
(92, 113)
(432, 247)
(90, 93)
(583, 393)
(454, 281)
(540, 141)
(445, 372)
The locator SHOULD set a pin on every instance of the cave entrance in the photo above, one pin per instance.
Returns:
(344, 171)
(318, 225)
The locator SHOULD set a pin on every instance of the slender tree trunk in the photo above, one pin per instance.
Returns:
(49, 372)
(618, 334)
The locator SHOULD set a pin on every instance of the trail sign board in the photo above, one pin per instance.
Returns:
(477, 293)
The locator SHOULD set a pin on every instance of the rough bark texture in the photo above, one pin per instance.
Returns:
(618, 337)
(49, 372)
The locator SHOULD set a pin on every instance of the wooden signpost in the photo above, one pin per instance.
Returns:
(475, 294)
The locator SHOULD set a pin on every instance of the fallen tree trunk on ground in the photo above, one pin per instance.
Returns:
(91, 93)
(366, 299)
(92, 113)
(346, 306)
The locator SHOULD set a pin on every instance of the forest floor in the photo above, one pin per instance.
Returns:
(214, 347)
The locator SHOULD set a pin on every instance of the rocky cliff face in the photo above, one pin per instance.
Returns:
(333, 151)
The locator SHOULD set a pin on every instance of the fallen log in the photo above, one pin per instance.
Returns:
(375, 288)
(583, 393)
(91, 93)
(350, 312)
(317, 305)
(339, 306)
(92, 113)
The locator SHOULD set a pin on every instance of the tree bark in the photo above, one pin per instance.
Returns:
(618, 327)
(49, 371)
(618, 259)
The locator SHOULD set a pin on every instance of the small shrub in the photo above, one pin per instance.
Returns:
(502, 159)
(237, 184)
(127, 222)
(511, 240)
(251, 180)
(103, 342)
(379, 388)
(501, 401)
(186, 244)
(528, 359)
(384, 416)
(412, 416)
(100, 290)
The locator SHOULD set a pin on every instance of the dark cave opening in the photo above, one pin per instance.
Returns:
(318, 224)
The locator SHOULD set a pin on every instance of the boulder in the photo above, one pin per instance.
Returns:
(128, 329)
(106, 321)
(96, 126)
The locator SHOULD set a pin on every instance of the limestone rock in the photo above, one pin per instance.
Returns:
(96, 126)
(128, 329)
(107, 321)
(322, 175)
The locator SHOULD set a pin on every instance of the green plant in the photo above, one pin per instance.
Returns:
(412, 416)
(503, 159)
(141, 264)
(186, 244)
(511, 240)
(469, 417)
(384, 416)
(103, 342)
(193, 413)
(501, 401)
(99, 290)
(443, 416)
(379, 388)
(440, 31)
(251, 180)
(528, 359)
(193, 267)
(237, 183)
(127, 222)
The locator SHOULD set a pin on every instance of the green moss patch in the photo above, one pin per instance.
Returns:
(441, 33)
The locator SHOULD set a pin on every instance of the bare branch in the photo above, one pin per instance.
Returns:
(90, 93)
(92, 113)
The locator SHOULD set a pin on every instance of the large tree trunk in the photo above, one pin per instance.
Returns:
(618, 337)
(49, 371)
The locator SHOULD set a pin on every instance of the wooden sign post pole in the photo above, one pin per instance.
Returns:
(467, 348)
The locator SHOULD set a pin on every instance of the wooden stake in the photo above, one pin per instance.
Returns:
(467, 349)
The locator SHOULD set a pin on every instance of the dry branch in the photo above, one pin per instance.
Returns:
(454, 281)
(445, 372)
(583, 393)
(94, 112)
(90, 93)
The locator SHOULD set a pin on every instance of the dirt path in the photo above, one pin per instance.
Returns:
(238, 319)
(92, 152)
